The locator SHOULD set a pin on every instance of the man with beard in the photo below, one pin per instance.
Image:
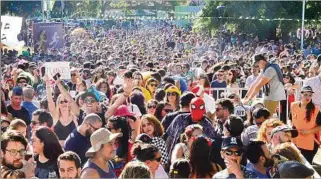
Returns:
(260, 158)
(78, 140)
(232, 153)
(69, 165)
(13, 150)
(282, 134)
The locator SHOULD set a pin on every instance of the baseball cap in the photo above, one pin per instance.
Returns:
(122, 111)
(86, 94)
(98, 138)
(234, 125)
(17, 91)
(285, 128)
(229, 142)
(306, 89)
(294, 169)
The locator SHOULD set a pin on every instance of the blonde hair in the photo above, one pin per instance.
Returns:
(57, 106)
(16, 123)
(135, 169)
(274, 122)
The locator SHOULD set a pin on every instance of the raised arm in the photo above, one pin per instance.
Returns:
(128, 87)
(51, 104)
(74, 107)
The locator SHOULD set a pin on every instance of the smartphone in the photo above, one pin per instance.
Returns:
(56, 76)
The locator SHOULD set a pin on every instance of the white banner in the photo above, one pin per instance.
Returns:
(52, 68)
(10, 28)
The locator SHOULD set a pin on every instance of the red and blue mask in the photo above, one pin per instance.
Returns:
(197, 109)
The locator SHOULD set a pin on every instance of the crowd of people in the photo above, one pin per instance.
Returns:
(160, 101)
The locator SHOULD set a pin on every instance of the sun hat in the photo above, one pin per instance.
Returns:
(98, 138)
(173, 89)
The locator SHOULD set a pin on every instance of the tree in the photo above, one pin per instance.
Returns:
(250, 13)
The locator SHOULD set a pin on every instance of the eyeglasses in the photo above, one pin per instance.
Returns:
(14, 153)
(168, 110)
(89, 100)
(151, 106)
(307, 95)
(93, 126)
(64, 101)
(153, 85)
(235, 153)
(286, 77)
(158, 159)
(171, 94)
(34, 123)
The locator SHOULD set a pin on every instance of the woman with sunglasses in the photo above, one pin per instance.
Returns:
(201, 164)
(163, 108)
(172, 97)
(46, 146)
(306, 117)
(151, 156)
(151, 106)
(151, 86)
(64, 113)
(153, 128)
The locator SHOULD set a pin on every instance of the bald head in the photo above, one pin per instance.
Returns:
(92, 119)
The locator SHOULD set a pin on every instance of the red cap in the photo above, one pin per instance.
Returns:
(123, 111)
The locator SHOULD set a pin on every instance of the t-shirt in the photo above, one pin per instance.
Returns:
(30, 106)
(217, 93)
(72, 87)
(74, 140)
(48, 169)
(246, 174)
(20, 114)
(250, 167)
(276, 88)
(167, 120)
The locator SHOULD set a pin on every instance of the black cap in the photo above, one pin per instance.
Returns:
(306, 89)
(261, 112)
(285, 128)
(229, 142)
(294, 169)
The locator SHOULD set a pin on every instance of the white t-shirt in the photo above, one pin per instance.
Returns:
(134, 109)
(209, 103)
(160, 172)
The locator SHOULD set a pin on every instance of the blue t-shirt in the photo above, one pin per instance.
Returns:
(30, 107)
(251, 168)
(215, 84)
(78, 143)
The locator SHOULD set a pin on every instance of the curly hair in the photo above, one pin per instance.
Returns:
(274, 122)
(158, 128)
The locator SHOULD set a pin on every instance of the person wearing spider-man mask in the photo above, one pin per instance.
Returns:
(197, 116)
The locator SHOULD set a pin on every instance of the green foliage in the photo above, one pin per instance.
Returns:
(257, 10)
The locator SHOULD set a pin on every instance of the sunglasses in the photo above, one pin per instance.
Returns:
(151, 106)
(64, 101)
(168, 110)
(158, 159)
(235, 153)
(89, 100)
(73, 74)
(171, 94)
(22, 82)
(153, 85)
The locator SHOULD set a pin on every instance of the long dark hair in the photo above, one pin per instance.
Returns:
(200, 158)
(233, 80)
(121, 123)
(309, 110)
(159, 108)
(52, 148)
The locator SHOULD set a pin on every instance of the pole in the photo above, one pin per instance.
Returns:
(43, 11)
(302, 27)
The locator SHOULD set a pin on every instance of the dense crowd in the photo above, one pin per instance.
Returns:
(159, 101)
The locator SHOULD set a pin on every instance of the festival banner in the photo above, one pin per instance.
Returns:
(63, 68)
(10, 29)
(48, 36)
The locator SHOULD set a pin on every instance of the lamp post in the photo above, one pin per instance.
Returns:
(221, 12)
(302, 27)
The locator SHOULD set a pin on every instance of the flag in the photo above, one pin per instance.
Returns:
(10, 28)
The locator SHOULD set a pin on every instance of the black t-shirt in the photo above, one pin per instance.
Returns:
(167, 120)
(63, 131)
(48, 169)
(72, 87)
(20, 114)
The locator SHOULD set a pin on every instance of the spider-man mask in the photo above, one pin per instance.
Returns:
(197, 109)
